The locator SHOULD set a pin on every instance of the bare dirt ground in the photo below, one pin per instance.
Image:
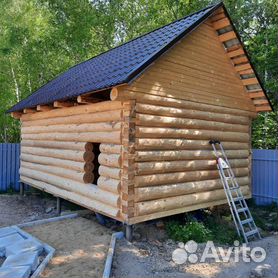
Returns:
(151, 256)
(81, 247)
(15, 209)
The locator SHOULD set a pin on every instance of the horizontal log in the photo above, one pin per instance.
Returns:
(95, 137)
(63, 163)
(109, 172)
(111, 160)
(82, 109)
(109, 184)
(156, 132)
(192, 207)
(110, 148)
(72, 128)
(64, 154)
(63, 104)
(83, 177)
(77, 146)
(98, 117)
(165, 204)
(260, 101)
(73, 197)
(166, 121)
(184, 144)
(250, 81)
(185, 155)
(144, 168)
(192, 114)
(178, 177)
(177, 189)
(126, 94)
(87, 190)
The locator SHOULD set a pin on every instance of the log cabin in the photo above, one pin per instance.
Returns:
(126, 133)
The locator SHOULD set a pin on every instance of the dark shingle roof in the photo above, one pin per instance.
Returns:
(116, 66)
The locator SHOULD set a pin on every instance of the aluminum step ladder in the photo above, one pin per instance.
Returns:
(241, 214)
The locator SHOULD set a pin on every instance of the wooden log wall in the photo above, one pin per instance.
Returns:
(57, 154)
(190, 95)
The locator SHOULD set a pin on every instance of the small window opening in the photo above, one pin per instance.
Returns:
(96, 164)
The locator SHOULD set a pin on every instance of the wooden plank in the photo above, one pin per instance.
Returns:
(222, 23)
(218, 16)
(256, 95)
(263, 108)
(227, 36)
(250, 81)
(235, 52)
(260, 101)
(248, 71)
(240, 60)
(240, 68)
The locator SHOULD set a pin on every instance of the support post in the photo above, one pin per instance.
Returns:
(21, 189)
(58, 205)
(129, 232)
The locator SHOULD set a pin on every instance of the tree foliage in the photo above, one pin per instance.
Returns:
(39, 39)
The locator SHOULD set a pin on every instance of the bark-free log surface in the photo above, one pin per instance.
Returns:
(169, 178)
(182, 200)
(83, 177)
(87, 190)
(64, 154)
(79, 146)
(186, 155)
(63, 163)
(73, 197)
(163, 191)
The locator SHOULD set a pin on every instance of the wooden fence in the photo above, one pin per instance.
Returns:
(264, 172)
(9, 167)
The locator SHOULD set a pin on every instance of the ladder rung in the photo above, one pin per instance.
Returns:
(234, 188)
(252, 232)
(242, 209)
(248, 220)
(238, 199)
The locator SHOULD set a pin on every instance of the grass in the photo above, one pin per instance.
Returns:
(218, 226)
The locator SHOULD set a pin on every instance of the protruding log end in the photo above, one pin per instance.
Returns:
(114, 93)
